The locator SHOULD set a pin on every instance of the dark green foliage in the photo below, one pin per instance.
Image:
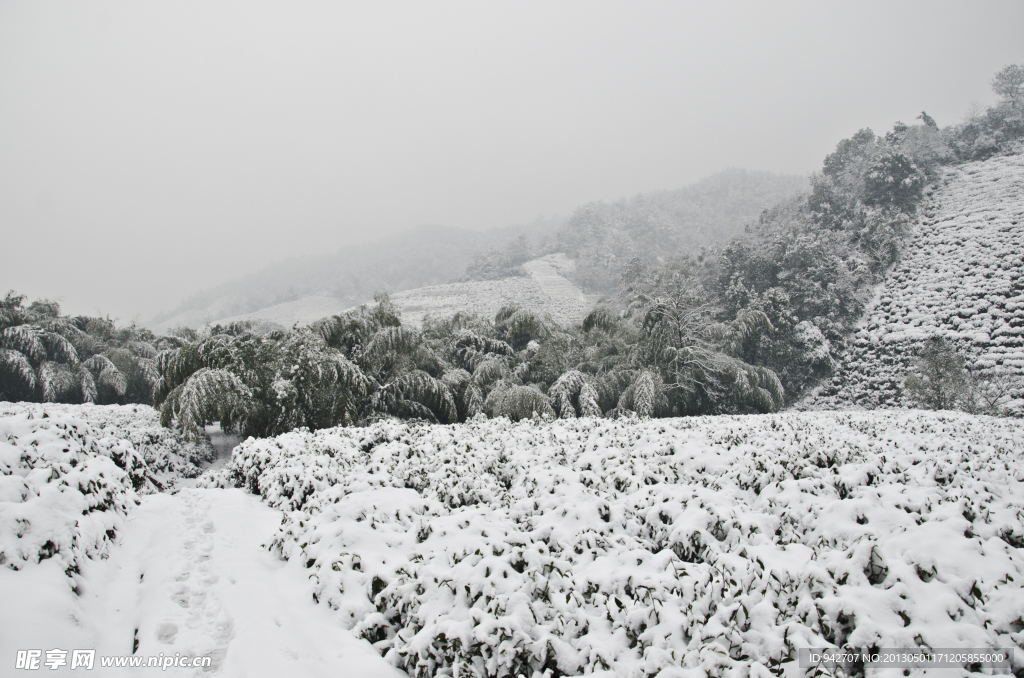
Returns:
(519, 326)
(810, 263)
(941, 380)
(517, 402)
(573, 395)
(1009, 85)
(893, 180)
(47, 356)
(503, 262)
(999, 127)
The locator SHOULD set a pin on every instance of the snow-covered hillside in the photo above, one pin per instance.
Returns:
(302, 311)
(544, 289)
(705, 546)
(961, 278)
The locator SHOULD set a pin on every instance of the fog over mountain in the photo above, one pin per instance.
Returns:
(600, 237)
(155, 150)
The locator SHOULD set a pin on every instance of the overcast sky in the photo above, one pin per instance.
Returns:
(152, 149)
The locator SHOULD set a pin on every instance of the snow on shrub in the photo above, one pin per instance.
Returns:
(64, 487)
(716, 544)
(167, 455)
(69, 473)
(961, 278)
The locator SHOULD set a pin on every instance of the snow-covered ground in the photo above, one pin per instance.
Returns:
(712, 546)
(961, 278)
(705, 546)
(88, 561)
(188, 575)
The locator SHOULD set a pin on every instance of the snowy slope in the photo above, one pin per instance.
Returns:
(705, 546)
(962, 278)
(302, 311)
(544, 289)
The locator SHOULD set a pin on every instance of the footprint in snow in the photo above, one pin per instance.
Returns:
(202, 625)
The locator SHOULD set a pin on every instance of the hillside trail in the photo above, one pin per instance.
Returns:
(547, 274)
(189, 575)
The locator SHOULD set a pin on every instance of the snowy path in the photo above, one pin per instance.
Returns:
(551, 281)
(189, 576)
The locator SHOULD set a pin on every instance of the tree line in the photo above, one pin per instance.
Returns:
(744, 327)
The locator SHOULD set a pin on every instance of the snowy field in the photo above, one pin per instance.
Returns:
(962, 278)
(92, 556)
(687, 547)
(712, 546)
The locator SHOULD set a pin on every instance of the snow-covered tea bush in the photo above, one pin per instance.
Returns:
(167, 454)
(69, 473)
(704, 546)
(64, 487)
(961, 279)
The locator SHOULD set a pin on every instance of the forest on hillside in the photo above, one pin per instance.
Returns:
(602, 238)
(746, 326)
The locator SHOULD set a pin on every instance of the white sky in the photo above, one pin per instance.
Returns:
(152, 149)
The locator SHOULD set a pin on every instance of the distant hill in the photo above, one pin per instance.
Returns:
(419, 257)
(603, 237)
(600, 238)
(543, 288)
(961, 278)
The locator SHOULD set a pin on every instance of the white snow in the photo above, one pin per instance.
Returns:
(711, 546)
(545, 289)
(961, 278)
(302, 311)
(89, 564)
(64, 489)
(716, 545)
(168, 457)
(189, 575)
